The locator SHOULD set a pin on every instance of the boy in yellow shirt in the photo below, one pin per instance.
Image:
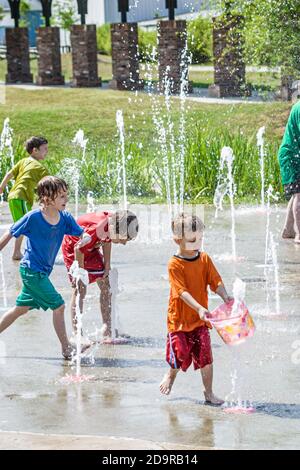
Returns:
(27, 173)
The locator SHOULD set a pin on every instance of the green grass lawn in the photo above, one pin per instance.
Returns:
(59, 113)
(260, 81)
(104, 67)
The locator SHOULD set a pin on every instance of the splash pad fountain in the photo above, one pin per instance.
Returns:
(132, 370)
(226, 187)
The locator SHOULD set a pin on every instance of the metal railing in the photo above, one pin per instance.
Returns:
(32, 52)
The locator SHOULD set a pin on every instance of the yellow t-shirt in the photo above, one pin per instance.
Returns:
(192, 276)
(27, 174)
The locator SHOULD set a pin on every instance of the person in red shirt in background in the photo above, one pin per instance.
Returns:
(93, 254)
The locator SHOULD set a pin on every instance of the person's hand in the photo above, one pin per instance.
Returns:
(228, 299)
(202, 312)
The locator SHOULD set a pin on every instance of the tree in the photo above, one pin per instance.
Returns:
(65, 14)
(24, 10)
(272, 33)
(147, 41)
(104, 39)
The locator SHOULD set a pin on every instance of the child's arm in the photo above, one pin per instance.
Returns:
(106, 247)
(215, 282)
(83, 241)
(5, 239)
(191, 302)
(5, 180)
(79, 256)
(221, 291)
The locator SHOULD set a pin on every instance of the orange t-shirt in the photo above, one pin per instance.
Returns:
(192, 276)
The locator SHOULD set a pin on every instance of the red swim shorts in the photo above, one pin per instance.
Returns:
(183, 348)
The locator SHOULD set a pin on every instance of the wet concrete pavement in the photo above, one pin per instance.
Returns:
(123, 399)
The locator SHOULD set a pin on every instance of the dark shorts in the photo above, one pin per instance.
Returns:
(291, 189)
(183, 348)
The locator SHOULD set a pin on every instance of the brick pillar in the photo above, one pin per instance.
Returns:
(229, 63)
(125, 60)
(17, 55)
(84, 56)
(49, 61)
(172, 55)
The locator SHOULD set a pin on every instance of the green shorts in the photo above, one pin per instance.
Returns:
(18, 208)
(38, 291)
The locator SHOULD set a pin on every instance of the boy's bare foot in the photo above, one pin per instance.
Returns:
(17, 256)
(167, 382)
(211, 399)
(288, 233)
(70, 352)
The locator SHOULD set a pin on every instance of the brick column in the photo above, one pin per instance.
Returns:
(229, 63)
(17, 55)
(125, 60)
(84, 56)
(49, 61)
(172, 58)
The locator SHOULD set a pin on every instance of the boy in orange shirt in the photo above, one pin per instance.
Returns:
(191, 271)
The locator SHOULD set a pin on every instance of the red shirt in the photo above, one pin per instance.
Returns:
(96, 226)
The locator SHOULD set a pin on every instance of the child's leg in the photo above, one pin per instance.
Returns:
(296, 213)
(82, 294)
(60, 329)
(12, 315)
(167, 382)
(288, 229)
(105, 303)
(17, 254)
(207, 379)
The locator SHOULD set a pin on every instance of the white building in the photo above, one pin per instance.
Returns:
(33, 19)
(96, 12)
(146, 12)
(151, 10)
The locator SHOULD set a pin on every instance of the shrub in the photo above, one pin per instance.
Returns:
(200, 39)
